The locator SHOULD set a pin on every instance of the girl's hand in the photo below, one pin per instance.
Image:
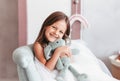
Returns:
(63, 51)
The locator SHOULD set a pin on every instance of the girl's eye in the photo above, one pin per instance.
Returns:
(53, 27)
(61, 32)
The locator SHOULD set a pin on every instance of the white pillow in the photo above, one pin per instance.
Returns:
(78, 44)
(78, 41)
(83, 49)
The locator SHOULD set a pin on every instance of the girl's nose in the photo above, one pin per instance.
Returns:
(56, 32)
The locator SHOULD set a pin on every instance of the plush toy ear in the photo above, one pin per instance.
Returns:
(47, 52)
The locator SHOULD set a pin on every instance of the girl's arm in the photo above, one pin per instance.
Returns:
(39, 53)
(50, 64)
(38, 50)
(62, 51)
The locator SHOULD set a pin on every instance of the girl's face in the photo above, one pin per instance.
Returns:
(56, 30)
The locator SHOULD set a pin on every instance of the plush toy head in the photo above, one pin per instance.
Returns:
(57, 43)
(49, 49)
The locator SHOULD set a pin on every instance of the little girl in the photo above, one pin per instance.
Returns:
(55, 26)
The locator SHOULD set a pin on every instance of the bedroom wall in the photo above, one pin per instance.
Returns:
(103, 33)
(102, 15)
(38, 10)
(8, 39)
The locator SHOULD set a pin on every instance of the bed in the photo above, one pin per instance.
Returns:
(85, 62)
(88, 62)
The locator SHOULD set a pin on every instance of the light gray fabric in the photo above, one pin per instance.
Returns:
(24, 58)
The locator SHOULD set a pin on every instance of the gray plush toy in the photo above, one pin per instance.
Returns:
(63, 63)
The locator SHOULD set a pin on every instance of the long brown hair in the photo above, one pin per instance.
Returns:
(54, 17)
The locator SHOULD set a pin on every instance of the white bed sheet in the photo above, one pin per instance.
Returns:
(85, 62)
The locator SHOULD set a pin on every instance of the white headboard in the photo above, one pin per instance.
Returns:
(76, 20)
